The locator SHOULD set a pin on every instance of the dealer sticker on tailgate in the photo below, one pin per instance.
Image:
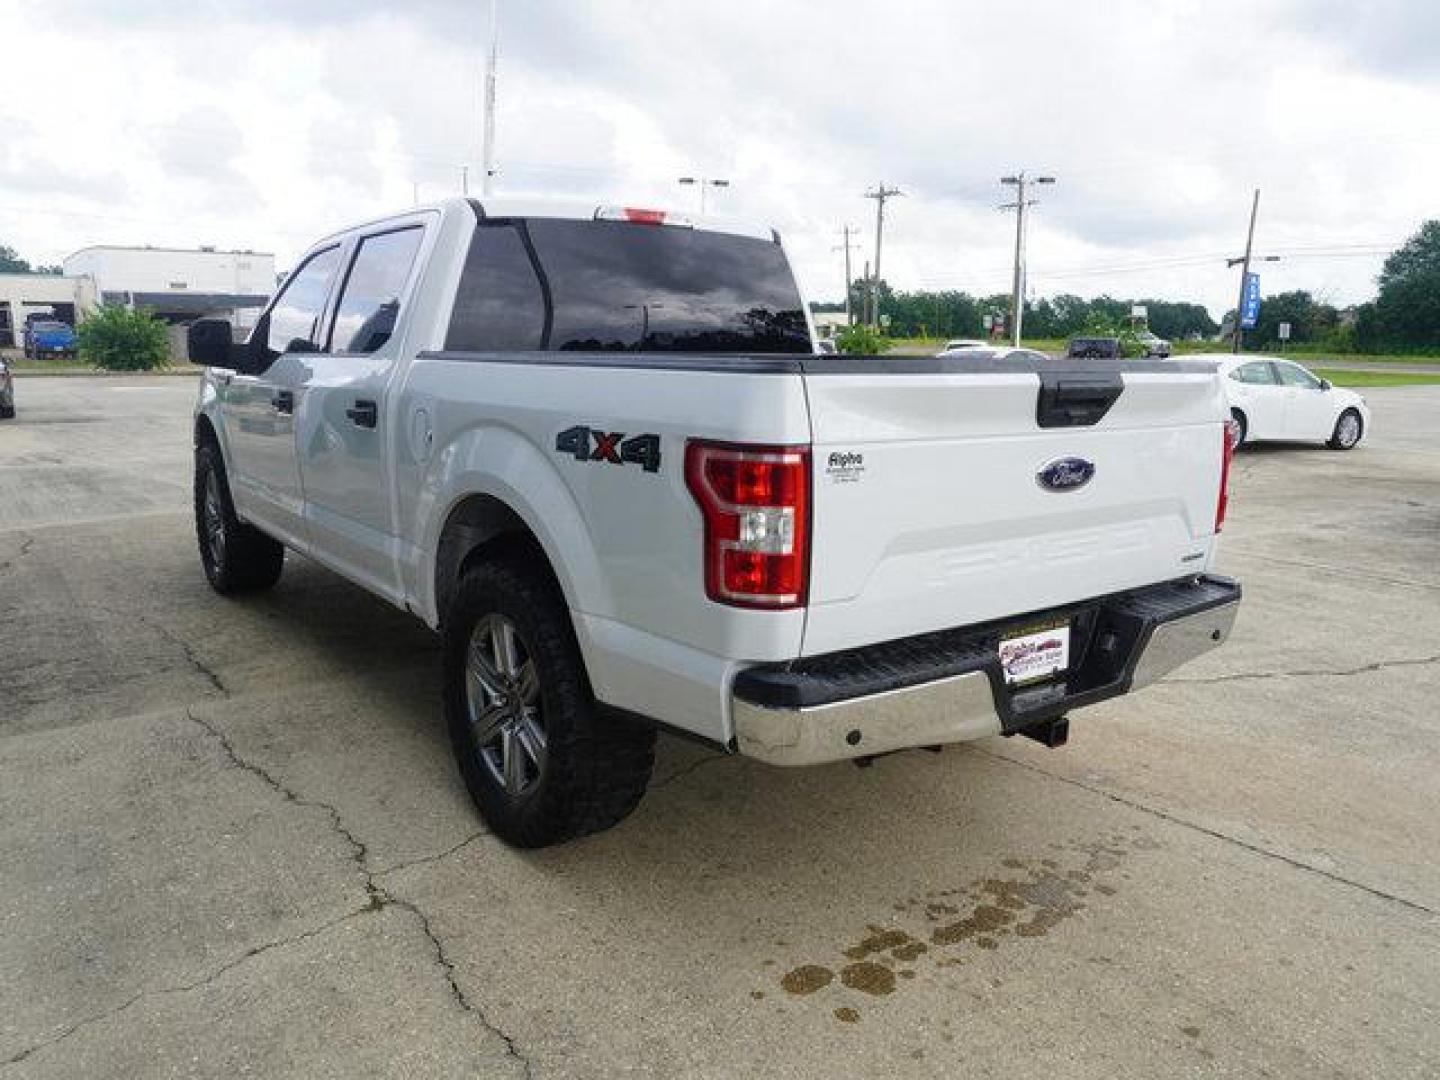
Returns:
(1036, 654)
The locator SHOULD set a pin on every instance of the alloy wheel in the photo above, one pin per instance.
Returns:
(214, 520)
(502, 691)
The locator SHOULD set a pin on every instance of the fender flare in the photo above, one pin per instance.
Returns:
(500, 462)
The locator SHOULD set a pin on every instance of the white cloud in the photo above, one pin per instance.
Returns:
(267, 124)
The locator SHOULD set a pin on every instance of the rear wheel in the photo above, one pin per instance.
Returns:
(539, 757)
(237, 558)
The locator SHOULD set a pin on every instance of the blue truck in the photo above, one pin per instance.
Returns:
(49, 337)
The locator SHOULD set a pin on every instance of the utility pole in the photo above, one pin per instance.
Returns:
(865, 299)
(487, 182)
(702, 183)
(1021, 204)
(880, 194)
(464, 179)
(847, 231)
(1237, 335)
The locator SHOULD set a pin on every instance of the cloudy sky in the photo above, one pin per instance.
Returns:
(266, 124)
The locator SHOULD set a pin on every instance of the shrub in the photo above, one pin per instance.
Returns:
(860, 340)
(118, 339)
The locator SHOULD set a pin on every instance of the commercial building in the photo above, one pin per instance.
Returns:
(180, 284)
(67, 297)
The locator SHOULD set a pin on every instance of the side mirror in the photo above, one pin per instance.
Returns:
(1326, 384)
(209, 342)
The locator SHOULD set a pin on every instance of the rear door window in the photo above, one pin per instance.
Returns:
(500, 306)
(295, 316)
(613, 286)
(370, 300)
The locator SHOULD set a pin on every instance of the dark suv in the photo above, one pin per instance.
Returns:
(1095, 348)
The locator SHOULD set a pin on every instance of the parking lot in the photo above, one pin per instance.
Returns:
(232, 840)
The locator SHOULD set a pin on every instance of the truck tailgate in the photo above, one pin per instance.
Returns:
(929, 511)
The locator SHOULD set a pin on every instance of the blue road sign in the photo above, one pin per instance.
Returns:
(1250, 308)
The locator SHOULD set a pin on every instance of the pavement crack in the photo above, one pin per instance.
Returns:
(1256, 849)
(378, 897)
(457, 993)
(427, 859)
(358, 851)
(204, 980)
(1364, 669)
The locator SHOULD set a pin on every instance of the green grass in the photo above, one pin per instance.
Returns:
(1376, 378)
(75, 367)
(1305, 354)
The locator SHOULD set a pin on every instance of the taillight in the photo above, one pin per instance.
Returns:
(756, 504)
(1232, 439)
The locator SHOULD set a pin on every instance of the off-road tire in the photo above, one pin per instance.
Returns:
(596, 766)
(1336, 442)
(241, 558)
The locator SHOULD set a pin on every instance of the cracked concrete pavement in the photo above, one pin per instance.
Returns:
(232, 840)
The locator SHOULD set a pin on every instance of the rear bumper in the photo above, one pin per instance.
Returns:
(949, 687)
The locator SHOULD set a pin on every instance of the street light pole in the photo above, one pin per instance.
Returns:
(1021, 204)
(703, 183)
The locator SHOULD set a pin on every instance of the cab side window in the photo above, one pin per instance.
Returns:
(1258, 373)
(370, 301)
(296, 315)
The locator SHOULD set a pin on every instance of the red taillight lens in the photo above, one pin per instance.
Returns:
(1232, 438)
(756, 504)
(644, 217)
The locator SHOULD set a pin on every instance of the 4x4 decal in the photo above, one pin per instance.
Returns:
(588, 444)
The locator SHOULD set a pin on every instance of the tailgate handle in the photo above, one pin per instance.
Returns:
(1076, 400)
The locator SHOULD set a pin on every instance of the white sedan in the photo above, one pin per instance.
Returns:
(964, 344)
(1271, 398)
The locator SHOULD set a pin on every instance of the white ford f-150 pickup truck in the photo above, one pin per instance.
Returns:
(597, 451)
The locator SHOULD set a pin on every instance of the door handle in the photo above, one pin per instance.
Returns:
(284, 401)
(363, 414)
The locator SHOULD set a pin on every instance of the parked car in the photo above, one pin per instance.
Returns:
(961, 344)
(1095, 348)
(7, 391)
(49, 337)
(1153, 344)
(1275, 399)
(595, 449)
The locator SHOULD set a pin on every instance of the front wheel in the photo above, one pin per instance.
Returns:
(541, 760)
(1348, 430)
(237, 558)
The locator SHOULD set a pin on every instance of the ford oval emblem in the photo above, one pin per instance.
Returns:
(1065, 474)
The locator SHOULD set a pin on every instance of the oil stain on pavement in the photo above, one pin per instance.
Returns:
(1025, 899)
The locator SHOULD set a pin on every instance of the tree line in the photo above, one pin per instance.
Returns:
(1404, 316)
(952, 313)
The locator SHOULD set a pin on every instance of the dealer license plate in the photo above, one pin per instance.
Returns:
(1036, 654)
